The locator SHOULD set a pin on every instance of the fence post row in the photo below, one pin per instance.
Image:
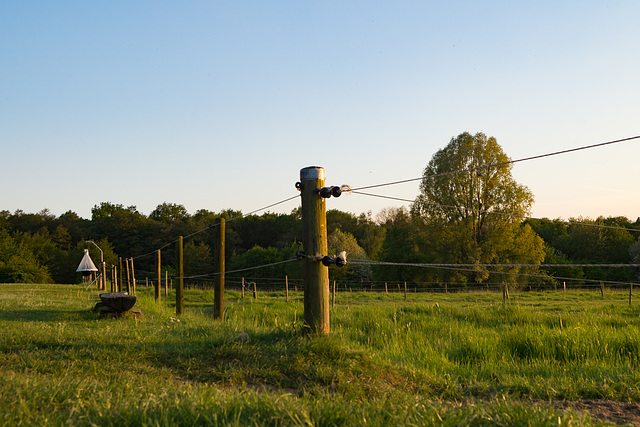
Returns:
(314, 245)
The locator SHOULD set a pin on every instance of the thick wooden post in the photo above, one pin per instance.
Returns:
(180, 272)
(159, 274)
(314, 245)
(219, 268)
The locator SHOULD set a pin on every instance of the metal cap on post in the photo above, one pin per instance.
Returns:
(314, 245)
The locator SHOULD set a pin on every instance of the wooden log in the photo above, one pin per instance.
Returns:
(118, 301)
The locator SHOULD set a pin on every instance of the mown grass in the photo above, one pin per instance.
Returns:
(437, 359)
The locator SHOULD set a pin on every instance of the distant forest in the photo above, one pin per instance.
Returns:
(42, 248)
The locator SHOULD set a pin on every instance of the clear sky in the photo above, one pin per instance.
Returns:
(219, 104)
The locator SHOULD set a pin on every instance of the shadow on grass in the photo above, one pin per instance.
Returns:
(284, 360)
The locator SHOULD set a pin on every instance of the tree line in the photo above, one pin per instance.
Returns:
(466, 213)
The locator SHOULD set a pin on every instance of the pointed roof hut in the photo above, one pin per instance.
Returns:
(86, 266)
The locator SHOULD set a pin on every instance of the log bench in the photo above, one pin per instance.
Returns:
(116, 304)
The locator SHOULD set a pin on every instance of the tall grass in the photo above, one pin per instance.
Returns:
(434, 360)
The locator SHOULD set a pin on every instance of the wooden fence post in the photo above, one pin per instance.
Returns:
(564, 286)
(255, 291)
(218, 262)
(314, 245)
(120, 281)
(286, 286)
(333, 299)
(630, 291)
(243, 287)
(405, 291)
(386, 289)
(602, 289)
(126, 261)
(133, 277)
(180, 272)
(166, 283)
(159, 274)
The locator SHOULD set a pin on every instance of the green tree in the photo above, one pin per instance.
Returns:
(339, 241)
(18, 262)
(168, 212)
(473, 207)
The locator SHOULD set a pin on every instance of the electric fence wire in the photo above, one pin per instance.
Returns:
(557, 220)
(493, 165)
(236, 271)
(214, 225)
(463, 267)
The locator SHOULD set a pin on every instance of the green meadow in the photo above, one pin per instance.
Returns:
(551, 358)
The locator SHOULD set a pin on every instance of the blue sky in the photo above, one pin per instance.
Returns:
(217, 105)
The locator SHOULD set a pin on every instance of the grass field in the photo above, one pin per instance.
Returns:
(554, 358)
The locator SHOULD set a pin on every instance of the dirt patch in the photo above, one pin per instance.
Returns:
(607, 410)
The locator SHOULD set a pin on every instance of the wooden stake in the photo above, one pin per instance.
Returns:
(120, 281)
(286, 285)
(405, 291)
(602, 289)
(630, 291)
(180, 286)
(255, 291)
(128, 278)
(333, 299)
(386, 289)
(133, 278)
(314, 245)
(219, 268)
(166, 283)
(243, 287)
(159, 274)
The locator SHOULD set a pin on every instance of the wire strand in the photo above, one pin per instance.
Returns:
(493, 165)
(238, 270)
(585, 224)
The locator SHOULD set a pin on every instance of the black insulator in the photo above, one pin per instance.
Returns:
(340, 262)
(336, 191)
(325, 192)
(299, 185)
(327, 260)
